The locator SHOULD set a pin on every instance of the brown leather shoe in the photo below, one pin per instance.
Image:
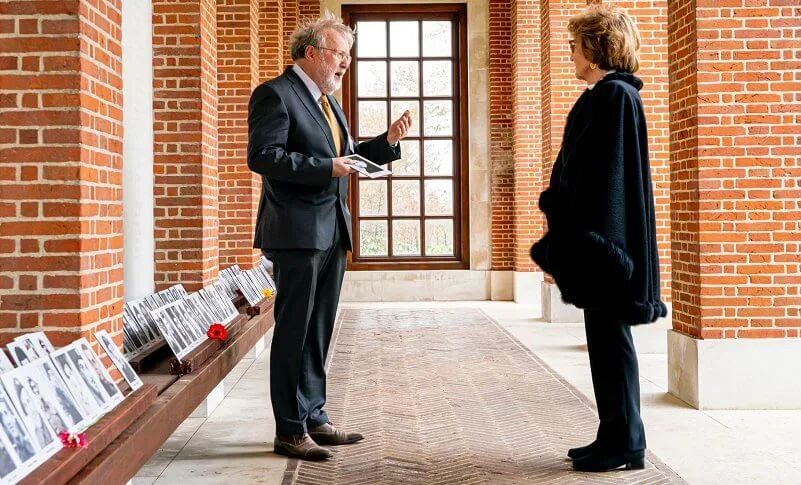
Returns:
(327, 434)
(300, 446)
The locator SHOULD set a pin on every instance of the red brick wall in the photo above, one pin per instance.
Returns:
(185, 142)
(237, 75)
(500, 121)
(291, 15)
(60, 168)
(735, 153)
(309, 9)
(271, 39)
(651, 19)
(527, 125)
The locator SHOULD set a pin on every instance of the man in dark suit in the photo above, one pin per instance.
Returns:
(297, 139)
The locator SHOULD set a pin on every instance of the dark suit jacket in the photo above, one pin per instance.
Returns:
(290, 145)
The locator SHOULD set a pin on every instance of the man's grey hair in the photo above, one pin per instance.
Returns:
(310, 33)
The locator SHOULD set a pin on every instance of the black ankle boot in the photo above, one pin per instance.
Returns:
(574, 453)
(601, 461)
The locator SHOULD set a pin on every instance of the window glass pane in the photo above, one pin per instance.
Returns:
(438, 118)
(437, 78)
(372, 118)
(406, 238)
(404, 39)
(437, 38)
(371, 40)
(439, 237)
(372, 78)
(439, 197)
(373, 238)
(409, 164)
(405, 79)
(438, 157)
(405, 198)
(373, 197)
(398, 107)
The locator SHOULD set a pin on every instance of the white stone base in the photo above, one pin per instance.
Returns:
(554, 310)
(211, 402)
(440, 285)
(527, 287)
(257, 349)
(735, 373)
(502, 285)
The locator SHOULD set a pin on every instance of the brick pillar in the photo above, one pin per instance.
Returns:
(734, 153)
(60, 168)
(560, 90)
(185, 142)
(237, 76)
(651, 19)
(271, 39)
(527, 143)
(291, 16)
(309, 9)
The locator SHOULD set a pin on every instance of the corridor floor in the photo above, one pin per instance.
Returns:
(471, 392)
(447, 396)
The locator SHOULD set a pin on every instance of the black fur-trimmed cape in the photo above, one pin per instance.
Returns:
(600, 246)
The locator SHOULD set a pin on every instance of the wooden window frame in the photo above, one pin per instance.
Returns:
(461, 216)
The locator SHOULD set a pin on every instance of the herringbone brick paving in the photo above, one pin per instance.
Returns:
(446, 396)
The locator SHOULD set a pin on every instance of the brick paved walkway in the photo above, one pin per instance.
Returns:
(446, 396)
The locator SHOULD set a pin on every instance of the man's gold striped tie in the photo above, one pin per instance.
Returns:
(332, 123)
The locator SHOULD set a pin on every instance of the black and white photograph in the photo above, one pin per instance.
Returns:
(34, 420)
(252, 295)
(122, 365)
(181, 325)
(139, 314)
(211, 303)
(39, 344)
(45, 397)
(10, 469)
(5, 362)
(44, 371)
(21, 441)
(202, 310)
(177, 343)
(98, 370)
(193, 319)
(225, 303)
(263, 277)
(19, 354)
(91, 405)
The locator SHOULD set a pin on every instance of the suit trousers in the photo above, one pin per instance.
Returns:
(308, 285)
(616, 382)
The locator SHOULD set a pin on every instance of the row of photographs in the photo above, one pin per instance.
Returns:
(140, 331)
(51, 391)
(182, 320)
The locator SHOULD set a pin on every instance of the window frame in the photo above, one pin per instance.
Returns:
(457, 13)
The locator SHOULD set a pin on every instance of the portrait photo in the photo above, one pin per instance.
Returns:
(122, 365)
(21, 441)
(48, 379)
(5, 362)
(91, 406)
(99, 370)
(9, 461)
(19, 354)
(29, 411)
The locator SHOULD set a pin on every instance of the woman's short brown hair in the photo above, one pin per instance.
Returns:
(608, 37)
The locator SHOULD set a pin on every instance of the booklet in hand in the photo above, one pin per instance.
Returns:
(366, 167)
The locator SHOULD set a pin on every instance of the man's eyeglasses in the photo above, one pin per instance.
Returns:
(572, 44)
(341, 55)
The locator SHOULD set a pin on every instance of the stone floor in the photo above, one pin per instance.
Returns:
(233, 444)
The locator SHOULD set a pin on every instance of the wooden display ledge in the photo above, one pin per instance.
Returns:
(69, 461)
(202, 352)
(150, 358)
(260, 307)
(126, 455)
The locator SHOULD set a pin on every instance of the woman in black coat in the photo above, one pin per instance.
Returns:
(600, 246)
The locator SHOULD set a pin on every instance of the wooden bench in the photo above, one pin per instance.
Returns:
(125, 439)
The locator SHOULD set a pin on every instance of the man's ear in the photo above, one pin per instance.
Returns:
(309, 52)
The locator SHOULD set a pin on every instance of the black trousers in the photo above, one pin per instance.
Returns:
(616, 382)
(308, 286)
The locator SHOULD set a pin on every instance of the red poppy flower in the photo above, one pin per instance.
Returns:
(217, 332)
(73, 440)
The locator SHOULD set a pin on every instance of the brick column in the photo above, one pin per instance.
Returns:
(185, 142)
(309, 9)
(291, 16)
(271, 39)
(734, 152)
(237, 76)
(60, 168)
